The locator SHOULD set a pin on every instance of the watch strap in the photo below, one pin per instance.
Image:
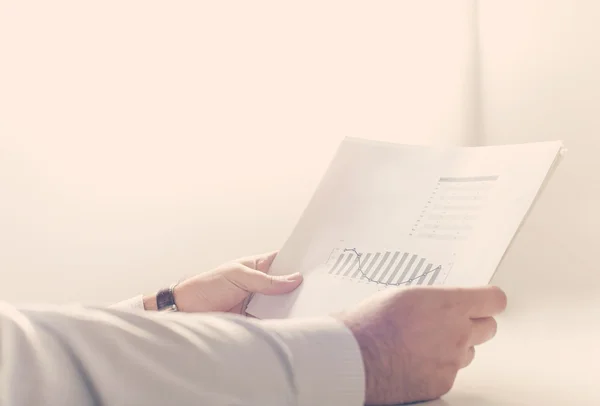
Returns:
(165, 299)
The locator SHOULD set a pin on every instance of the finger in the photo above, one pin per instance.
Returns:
(241, 307)
(483, 301)
(260, 262)
(468, 358)
(254, 281)
(483, 330)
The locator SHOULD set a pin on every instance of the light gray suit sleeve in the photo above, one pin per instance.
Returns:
(72, 355)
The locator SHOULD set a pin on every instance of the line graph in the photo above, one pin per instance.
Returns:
(358, 256)
(389, 268)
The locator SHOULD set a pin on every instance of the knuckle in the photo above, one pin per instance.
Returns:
(493, 327)
(462, 340)
(270, 279)
(448, 304)
(445, 385)
(469, 357)
(237, 268)
(452, 303)
(456, 363)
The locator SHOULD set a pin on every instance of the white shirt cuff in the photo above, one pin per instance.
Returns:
(134, 304)
(327, 361)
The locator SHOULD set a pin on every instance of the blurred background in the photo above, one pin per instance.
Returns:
(143, 141)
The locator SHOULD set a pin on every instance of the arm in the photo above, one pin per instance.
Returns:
(225, 288)
(84, 356)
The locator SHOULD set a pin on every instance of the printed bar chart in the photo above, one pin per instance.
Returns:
(390, 268)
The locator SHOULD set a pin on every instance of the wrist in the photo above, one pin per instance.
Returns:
(150, 302)
(167, 298)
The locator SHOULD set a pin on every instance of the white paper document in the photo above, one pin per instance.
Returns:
(386, 216)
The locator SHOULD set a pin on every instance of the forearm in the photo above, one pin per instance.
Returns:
(112, 357)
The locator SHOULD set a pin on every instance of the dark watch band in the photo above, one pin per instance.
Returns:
(165, 300)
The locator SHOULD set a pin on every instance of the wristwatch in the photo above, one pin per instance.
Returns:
(165, 300)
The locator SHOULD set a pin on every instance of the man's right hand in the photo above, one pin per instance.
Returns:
(414, 341)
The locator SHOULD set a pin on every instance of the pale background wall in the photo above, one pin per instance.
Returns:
(540, 70)
(540, 80)
(141, 141)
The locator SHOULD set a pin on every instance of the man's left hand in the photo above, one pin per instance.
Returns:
(228, 287)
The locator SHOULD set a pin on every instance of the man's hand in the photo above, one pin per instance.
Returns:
(414, 341)
(227, 287)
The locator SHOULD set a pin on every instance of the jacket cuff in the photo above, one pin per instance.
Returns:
(326, 358)
(133, 304)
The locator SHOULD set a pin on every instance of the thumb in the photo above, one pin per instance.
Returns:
(258, 282)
